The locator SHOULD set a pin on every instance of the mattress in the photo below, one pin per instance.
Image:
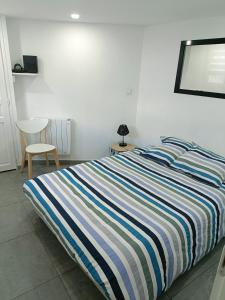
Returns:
(133, 225)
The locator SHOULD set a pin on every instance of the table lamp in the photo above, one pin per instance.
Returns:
(123, 131)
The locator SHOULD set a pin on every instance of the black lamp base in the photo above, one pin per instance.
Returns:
(122, 144)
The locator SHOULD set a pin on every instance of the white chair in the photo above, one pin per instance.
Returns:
(35, 126)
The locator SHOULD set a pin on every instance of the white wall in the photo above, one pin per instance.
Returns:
(86, 73)
(160, 111)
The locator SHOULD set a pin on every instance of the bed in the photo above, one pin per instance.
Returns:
(133, 225)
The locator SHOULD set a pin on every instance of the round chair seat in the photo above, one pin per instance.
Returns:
(39, 148)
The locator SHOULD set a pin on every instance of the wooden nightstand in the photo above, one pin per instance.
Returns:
(116, 148)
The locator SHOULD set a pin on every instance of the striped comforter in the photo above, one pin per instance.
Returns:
(133, 225)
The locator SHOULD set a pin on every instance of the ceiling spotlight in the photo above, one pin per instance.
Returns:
(75, 16)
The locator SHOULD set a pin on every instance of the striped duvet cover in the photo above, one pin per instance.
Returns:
(133, 225)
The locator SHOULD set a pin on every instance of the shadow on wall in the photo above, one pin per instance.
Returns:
(25, 85)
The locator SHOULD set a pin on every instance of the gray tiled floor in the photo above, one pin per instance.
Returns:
(34, 266)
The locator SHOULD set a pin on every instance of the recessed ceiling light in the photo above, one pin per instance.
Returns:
(75, 16)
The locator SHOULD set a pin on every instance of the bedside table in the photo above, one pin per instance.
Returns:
(116, 148)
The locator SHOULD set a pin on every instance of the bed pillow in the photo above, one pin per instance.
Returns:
(163, 154)
(169, 140)
(141, 150)
(201, 168)
(208, 153)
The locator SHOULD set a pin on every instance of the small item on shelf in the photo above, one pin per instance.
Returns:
(18, 68)
(30, 63)
(123, 131)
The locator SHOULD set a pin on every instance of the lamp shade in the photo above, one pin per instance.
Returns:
(123, 130)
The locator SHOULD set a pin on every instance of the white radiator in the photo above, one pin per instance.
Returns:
(59, 135)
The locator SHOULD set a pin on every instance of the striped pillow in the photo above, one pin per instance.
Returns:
(177, 142)
(141, 150)
(208, 153)
(201, 167)
(163, 154)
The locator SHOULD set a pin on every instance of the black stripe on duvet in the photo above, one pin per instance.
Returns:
(187, 187)
(130, 218)
(88, 245)
(163, 201)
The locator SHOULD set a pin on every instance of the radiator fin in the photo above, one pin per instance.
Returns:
(59, 135)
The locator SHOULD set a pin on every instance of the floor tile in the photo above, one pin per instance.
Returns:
(11, 188)
(51, 290)
(13, 222)
(33, 217)
(39, 169)
(200, 288)
(79, 286)
(14, 176)
(58, 255)
(164, 297)
(11, 197)
(24, 265)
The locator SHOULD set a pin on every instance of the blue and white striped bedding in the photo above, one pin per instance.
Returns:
(169, 140)
(163, 154)
(133, 225)
(201, 167)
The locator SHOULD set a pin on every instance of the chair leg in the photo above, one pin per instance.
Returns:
(29, 165)
(56, 158)
(47, 161)
(23, 161)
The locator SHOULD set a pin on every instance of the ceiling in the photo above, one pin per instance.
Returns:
(140, 12)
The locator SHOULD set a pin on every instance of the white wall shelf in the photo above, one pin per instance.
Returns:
(24, 74)
(14, 75)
